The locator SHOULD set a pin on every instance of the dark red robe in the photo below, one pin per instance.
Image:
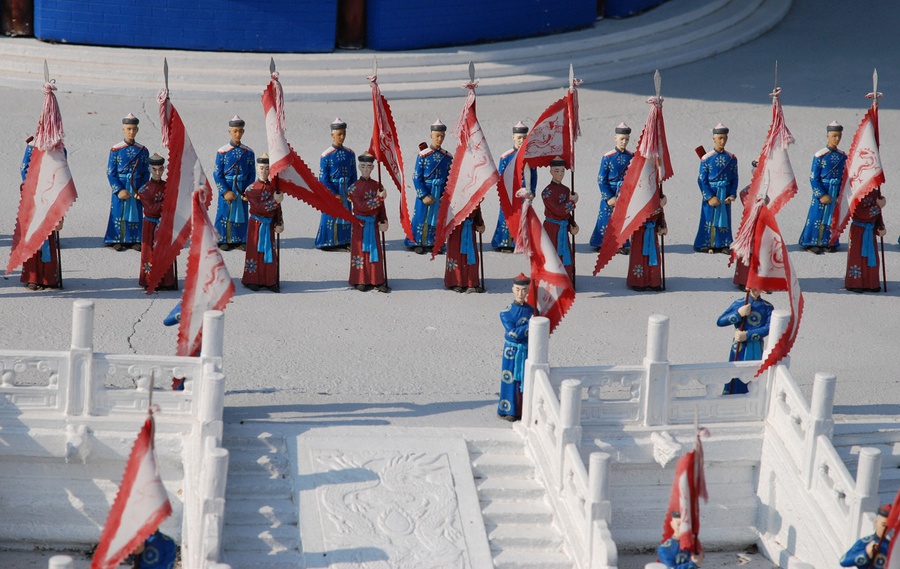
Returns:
(261, 200)
(457, 270)
(366, 202)
(558, 206)
(152, 195)
(641, 274)
(43, 273)
(859, 274)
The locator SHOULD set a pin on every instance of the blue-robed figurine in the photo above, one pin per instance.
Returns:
(128, 170)
(613, 166)
(670, 552)
(515, 321)
(430, 178)
(718, 182)
(235, 170)
(750, 317)
(157, 552)
(861, 552)
(337, 170)
(502, 240)
(825, 178)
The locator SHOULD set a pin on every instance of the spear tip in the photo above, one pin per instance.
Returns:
(471, 71)
(271, 65)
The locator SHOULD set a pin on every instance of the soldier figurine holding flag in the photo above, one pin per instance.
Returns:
(502, 240)
(866, 223)
(128, 170)
(718, 181)
(863, 552)
(233, 173)
(264, 199)
(430, 179)
(559, 214)
(515, 321)
(366, 242)
(750, 317)
(613, 166)
(670, 552)
(463, 257)
(337, 171)
(152, 195)
(42, 270)
(825, 178)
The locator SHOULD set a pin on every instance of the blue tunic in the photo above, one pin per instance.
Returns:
(128, 169)
(337, 170)
(159, 552)
(235, 170)
(856, 556)
(613, 166)
(515, 350)
(430, 178)
(756, 325)
(718, 178)
(825, 177)
(502, 239)
(672, 556)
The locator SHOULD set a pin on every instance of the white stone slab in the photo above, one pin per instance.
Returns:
(388, 502)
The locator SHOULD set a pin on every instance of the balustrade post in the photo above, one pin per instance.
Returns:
(656, 365)
(570, 423)
(777, 327)
(599, 506)
(821, 421)
(79, 376)
(61, 562)
(868, 475)
(212, 397)
(538, 358)
(212, 342)
(214, 470)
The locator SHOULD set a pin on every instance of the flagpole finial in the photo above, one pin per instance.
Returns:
(875, 95)
(657, 83)
(472, 82)
(776, 73)
(374, 65)
(46, 72)
(166, 72)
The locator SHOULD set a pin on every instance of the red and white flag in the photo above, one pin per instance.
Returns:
(472, 174)
(771, 269)
(862, 172)
(893, 525)
(294, 175)
(687, 489)
(385, 147)
(184, 174)
(640, 192)
(207, 285)
(48, 190)
(140, 505)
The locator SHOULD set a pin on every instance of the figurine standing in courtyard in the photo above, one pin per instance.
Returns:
(645, 258)
(559, 214)
(337, 170)
(670, 553)
(825, 177)
(152, 194)
(613, 166)
(750, 317)
(515, 321)
(157, 552)
(128, 170)
(430, 178)
(463, 255)
(866, 226)
(261, 262)
(42, 270)
(718, 181)
(502, 240)
(875, 546)
(366, 240)
(234, 171)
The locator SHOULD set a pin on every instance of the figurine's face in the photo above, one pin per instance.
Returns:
(237, 133)
(834, 138)
(338, 136)
(437, 138)
(520, 292)
(156, 172)
(676, 527)
(130, 131)
(880, 525)
(262, 172)
(622, 142)
(518, 139)
(719, 142)
(365, 169)
(558, 173)
(755, 293)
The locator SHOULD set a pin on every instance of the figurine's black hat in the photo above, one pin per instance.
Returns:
(365, 158)
(884, 510)
(438, 126)
(338, 124)
(264, 159)
(236, 121)
(521, 280)
(834, 127)
(676, 514)
(557, 162)
(623, 128)
(720, 129)
(520, 128)
(130, 119)
(157, 160)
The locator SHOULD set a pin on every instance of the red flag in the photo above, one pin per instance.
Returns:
(140, 505)
(771, 269)
(184, 174)
(296, 178)
(687, 489)
(893, 525)
(862, 172)
(207, 285)
(385, 147)
(640, 191)
(48, 190)
(472, 174)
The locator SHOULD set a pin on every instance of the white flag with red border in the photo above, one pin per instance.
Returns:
(551, 293)
(688, 487)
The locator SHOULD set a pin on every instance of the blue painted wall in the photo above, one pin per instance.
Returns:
(209, 25)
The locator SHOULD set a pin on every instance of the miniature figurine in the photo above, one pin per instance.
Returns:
(718, 183)
(670, 553)
(515, 350)
(559, 214)
(152, 194)
(366, 242)
(463, 257)
(157, 552)
(750, 316)
(430, 178)
(862, 253)
(43, 269)
(644, 260)
(234, 171)
(742, 269)
(613, 166)
(261, 263)
(502, 240)
(825, 177)
(128, 170)
(860, 553)
(337, 170)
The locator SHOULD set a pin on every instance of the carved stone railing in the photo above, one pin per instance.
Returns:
(78, 406)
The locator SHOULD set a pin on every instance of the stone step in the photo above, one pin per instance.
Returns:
(532, 559)
(289, 559)
(272, 465)
(264, 442)
(518, 512)
(508, 443)
(509, 536)
(502, 465)
(268, 541)
(253, 511)
(495, 489)
(252, 484)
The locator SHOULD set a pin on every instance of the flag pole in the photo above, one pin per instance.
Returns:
(383, 241)
(572, 180)
(657, 84)
(481, 259)
(875, 95)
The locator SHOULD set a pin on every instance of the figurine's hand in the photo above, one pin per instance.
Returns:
(729, 199)
(229, 196)
(573, 229)
(826, 199)
(59, 226)
(740, 336)
(880, 232)
(714, 201)
(611, 202)
(573, 197)
(383, 226)
(697, 558)
(663, 201)
(123, 195)
(744, 310)
(882, 201)
(479, 228)
(278, 197)
(870, 549)
(662, 231)
(279, 228)
(428, 200)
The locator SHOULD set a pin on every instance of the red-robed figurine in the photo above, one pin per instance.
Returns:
(461, 271)
(42, 270)
(151, 195)
(264, 200)
(366, 246)
(645, 259)
(559, 214)
(866, 225)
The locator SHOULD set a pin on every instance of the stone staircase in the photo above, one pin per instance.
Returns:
(850, 437)
(517, 516)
